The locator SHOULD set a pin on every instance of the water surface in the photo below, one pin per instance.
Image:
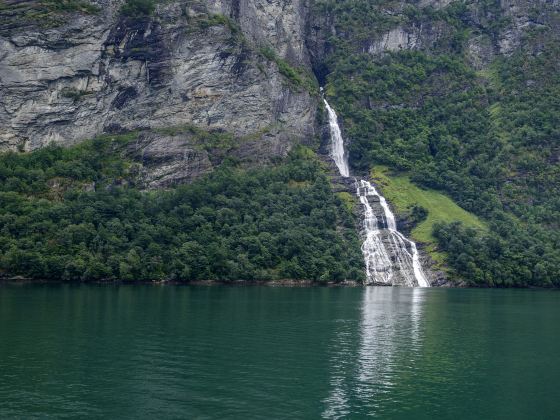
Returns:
(263, 352)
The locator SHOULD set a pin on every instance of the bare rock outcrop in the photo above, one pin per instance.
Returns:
(196, 63)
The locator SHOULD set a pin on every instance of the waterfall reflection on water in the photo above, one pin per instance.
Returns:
(390, 342)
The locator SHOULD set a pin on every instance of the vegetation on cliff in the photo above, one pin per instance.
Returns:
(485, 133)
(42, 13)
(75, 214)
(424, 207)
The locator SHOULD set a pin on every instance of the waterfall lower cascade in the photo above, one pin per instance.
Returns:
(389, 256)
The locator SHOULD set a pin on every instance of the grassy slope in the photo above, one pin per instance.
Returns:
(403, 194)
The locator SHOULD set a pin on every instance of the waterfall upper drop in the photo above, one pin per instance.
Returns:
(390, 257)
(337, 143)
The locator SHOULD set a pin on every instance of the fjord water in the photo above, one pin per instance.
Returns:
(264, 352)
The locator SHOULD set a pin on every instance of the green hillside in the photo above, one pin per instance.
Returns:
(80, 214)
(459, 112)
(404, 195)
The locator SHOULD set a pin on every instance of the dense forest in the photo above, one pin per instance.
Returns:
(76, 214)
(486, 134)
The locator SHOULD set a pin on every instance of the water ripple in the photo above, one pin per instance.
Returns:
(142, 352)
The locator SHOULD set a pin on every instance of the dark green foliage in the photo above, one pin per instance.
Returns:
(296, 76)
(74, 94)
(490, 139)
(48, 171)
(418, 214)
(270, 223)
(17, 14)
(71, 6)
(138, 8)
(510, 256)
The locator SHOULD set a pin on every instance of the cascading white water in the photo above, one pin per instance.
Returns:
(378, 239)
(407, 261)
(378, 263)
(337, 143)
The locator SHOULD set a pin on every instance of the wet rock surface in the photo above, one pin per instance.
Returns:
(349, 185)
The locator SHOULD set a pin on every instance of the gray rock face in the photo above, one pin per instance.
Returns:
(411, 37)
(480, 51)
(280, 24)
(496, 29)
(187, 64)
(166, 160)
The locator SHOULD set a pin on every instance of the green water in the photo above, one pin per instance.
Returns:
(263, 352)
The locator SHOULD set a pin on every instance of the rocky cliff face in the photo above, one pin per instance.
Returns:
(70, 75)
(495, 27)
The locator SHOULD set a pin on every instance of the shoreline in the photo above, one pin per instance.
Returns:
(242, 283)
(270, 283)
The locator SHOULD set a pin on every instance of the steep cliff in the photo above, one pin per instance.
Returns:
(69, 74)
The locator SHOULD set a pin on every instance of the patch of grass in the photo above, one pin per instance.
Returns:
(71, 6)
(104, 140)
(404, 195)
(283, 66)
(206, 21)
(216, 19)
(348, 200)
(296, 76)
(138, 8)
(207, 140)
(261, 132)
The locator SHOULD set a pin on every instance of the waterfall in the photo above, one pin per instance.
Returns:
(337, 144)
(390, 257)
